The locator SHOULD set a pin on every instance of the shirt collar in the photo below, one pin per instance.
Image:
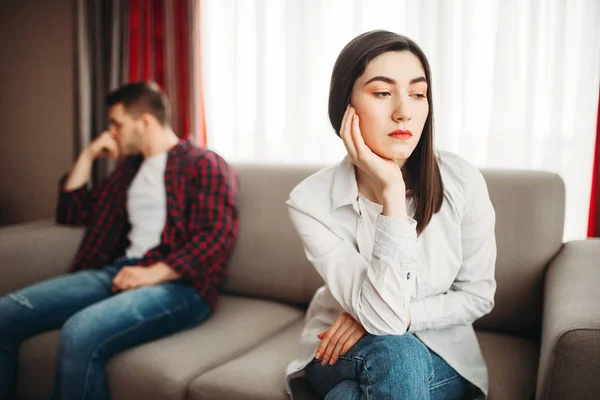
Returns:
(344, 189)
(181, 145)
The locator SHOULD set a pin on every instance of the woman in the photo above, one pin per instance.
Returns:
(403, 238)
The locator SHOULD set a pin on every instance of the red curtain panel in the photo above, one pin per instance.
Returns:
(593, 222)
(162, 41)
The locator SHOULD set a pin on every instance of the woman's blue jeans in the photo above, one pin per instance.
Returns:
(387, 367)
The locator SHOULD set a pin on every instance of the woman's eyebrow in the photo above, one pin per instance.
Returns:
(393, 82)
(417, 80)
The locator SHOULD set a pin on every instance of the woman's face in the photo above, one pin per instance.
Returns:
(390, 98)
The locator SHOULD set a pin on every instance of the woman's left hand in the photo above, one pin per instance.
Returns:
(340, 337)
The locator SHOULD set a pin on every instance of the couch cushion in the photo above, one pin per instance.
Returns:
(512, 365)
(257, 375)
(35, 251)
(530, 215)
(260, 373)
(163, 369)
(267, 238)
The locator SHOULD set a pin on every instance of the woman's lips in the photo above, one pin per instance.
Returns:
(400, 134)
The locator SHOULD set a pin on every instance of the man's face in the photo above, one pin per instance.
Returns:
(127, 130)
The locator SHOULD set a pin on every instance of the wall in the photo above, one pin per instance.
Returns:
(36, 105)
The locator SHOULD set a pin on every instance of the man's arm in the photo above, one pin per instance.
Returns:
(104, 145)
(75, 201)
(213, 220)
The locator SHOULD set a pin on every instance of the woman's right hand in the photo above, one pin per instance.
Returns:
(385, 173)
(339, 338)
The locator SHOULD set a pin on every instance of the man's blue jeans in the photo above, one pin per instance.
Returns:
(96, 324)
(387, 367)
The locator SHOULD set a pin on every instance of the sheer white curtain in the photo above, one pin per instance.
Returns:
(515, 82)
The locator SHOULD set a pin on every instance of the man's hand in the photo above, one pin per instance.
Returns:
(132, 277)
(104, 145)
(340, 337)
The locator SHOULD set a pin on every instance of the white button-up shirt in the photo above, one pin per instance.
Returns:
(378, 270)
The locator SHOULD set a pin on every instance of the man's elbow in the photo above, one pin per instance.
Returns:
(63, 220)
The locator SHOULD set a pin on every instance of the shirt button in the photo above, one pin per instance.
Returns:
(408, 275)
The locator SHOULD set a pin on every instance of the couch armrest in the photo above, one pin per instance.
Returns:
(570, 348)
(35, 251)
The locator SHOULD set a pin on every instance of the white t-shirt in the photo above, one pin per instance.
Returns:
(147, 206)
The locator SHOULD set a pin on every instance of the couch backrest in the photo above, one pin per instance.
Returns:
(530, 211)
(269, 260)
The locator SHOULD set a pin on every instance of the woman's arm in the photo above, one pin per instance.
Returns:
(375, 294)
(471, 296)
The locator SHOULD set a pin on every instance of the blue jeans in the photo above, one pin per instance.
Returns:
(387, 367)
(96, 324)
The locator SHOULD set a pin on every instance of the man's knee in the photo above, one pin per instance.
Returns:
(14, 308)
(79, 334)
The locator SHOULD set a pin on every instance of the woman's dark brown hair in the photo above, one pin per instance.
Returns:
(421, 171)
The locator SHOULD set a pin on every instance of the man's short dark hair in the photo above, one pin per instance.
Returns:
(142, 97)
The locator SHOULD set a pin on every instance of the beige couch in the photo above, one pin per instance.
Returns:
(542, 337)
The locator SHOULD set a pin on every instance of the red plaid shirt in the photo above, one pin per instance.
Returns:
(201, 225)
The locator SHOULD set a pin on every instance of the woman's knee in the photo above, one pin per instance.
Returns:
(398, 355)
(348, 389)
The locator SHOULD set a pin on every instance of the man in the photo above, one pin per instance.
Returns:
(160, 230)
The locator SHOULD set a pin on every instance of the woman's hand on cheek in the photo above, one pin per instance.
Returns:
(383, 171)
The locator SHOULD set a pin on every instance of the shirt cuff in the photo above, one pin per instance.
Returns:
(396, 239)
(63, 181)
(416, 309)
